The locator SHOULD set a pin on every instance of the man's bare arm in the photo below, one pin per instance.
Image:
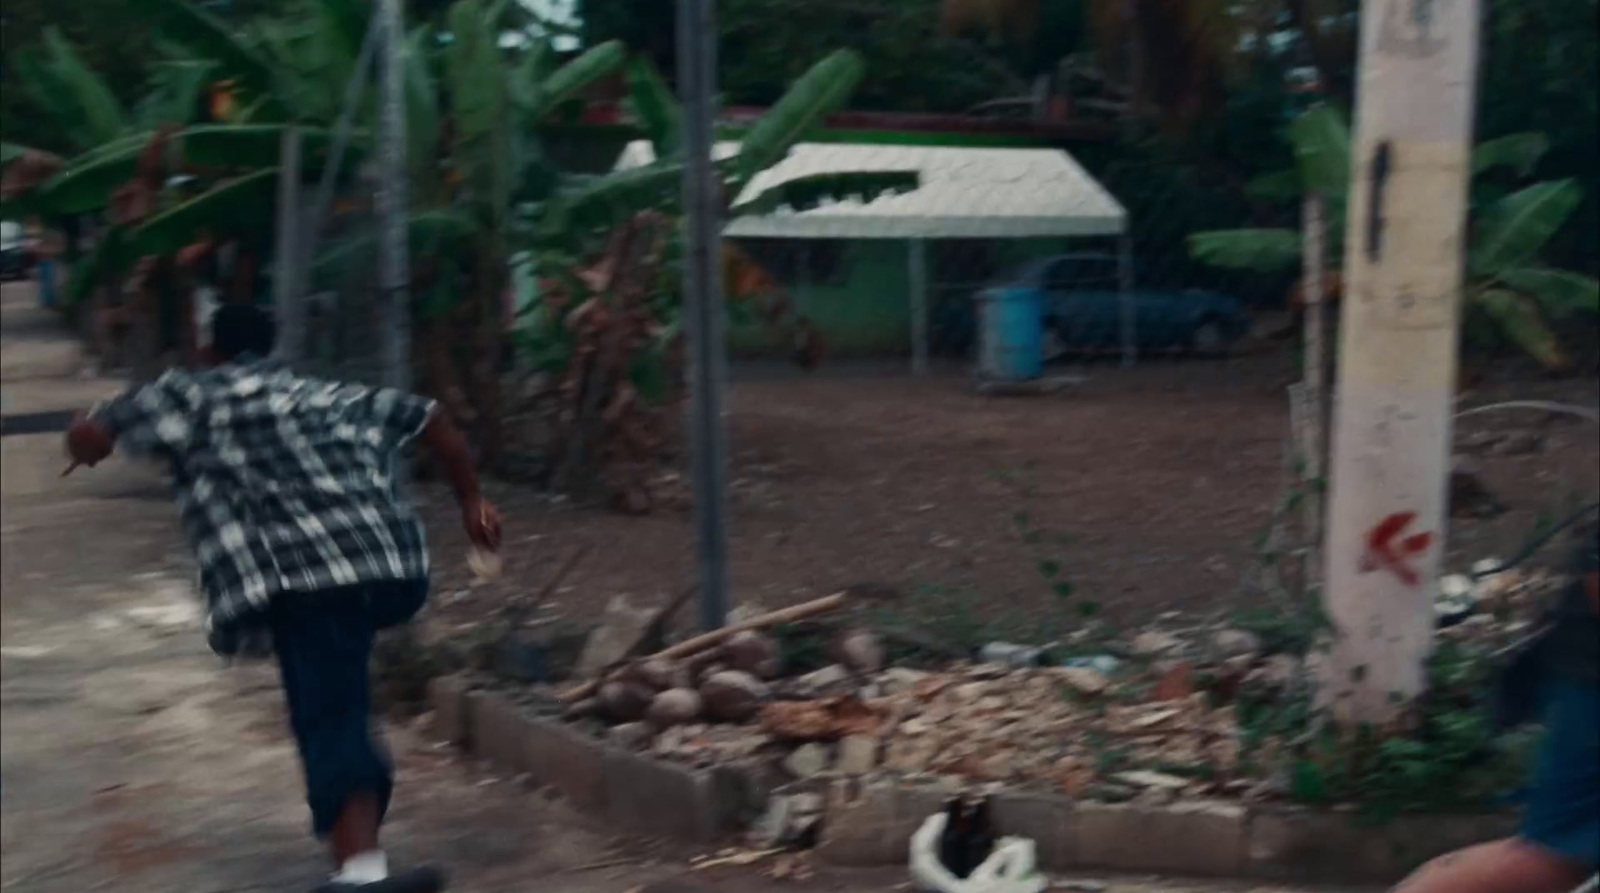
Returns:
(449, 449)
(88, 442)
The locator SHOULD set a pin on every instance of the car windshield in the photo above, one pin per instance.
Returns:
(10, 234)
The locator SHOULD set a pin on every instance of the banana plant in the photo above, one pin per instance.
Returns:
(603, 202)
(1506, 282)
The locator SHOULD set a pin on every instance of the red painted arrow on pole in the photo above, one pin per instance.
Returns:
(1385, 553)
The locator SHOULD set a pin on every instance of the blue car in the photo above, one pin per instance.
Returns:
(1083, 309)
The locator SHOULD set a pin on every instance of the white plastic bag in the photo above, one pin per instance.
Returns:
(1009, 869)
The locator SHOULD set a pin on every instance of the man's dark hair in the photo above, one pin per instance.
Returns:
(240, 329)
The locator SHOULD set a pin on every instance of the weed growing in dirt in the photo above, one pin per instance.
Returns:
(1451, 759)
(1044, 543)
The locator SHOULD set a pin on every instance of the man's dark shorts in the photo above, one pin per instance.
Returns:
(324, 644)
(1564, 808)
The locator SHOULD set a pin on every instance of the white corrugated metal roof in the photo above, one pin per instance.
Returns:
(965, 193)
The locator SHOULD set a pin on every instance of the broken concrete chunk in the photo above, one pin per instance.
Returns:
(622, 630)
(1083, 680)
(827, 680)
(1153, 780)
(859, 650)
(1234, 642)
(858, 754)
(807, 761)
(1152, 644)
(631, 735)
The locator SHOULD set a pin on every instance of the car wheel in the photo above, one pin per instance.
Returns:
(1208, 338)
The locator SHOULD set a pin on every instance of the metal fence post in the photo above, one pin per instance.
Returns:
(917, 274)
(1130, 334)
(288, 310)
(393, 251)
(702, 287)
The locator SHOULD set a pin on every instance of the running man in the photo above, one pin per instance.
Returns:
(286, 487)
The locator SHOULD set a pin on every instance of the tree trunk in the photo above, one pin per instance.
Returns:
(1397, 352)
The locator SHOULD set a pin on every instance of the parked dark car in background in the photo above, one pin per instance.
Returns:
(1082, 307)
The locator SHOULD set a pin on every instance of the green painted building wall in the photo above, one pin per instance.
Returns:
(864, 308)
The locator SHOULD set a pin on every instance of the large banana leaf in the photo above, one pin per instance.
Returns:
(655, 107)
(1519, 320)
(565, 82)
(473, 65)
(1321, 141)
(236, 207)
(10, 152)
(188, 25)
(47, 96)
(527, 81)
(801, 193)
(1515, 228)
(1258, 250)
(481, 104)
(91, 178)
(178, 87)
(342, 25)
(86, 185)
(604, 202)
(422, 103)
(1559, 292)
(259, 145)
(103, 118)
(1519, 151)
(822, 90)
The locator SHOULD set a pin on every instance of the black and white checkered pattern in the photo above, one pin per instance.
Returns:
(285, 484)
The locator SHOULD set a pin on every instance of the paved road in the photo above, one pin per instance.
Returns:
(132, 761)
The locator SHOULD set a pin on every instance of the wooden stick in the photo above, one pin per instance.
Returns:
(513, 609)
(706, 641)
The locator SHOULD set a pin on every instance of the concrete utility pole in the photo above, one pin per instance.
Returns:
(1397, 350)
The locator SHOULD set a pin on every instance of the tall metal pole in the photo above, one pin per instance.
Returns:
(1126, 322)
(1397, 351)
(394, 303)
(702, 291)
(288, 308)
(917, 279)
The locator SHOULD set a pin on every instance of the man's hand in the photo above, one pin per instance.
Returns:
(88, 442)
(482, 521)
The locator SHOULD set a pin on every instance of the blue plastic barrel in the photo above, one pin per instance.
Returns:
(1011, 333)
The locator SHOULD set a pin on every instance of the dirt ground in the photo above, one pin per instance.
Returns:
(132, 760)
(1148, 487)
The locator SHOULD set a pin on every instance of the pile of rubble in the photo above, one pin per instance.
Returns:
(1149, 719)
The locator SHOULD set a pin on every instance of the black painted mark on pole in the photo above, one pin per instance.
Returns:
(1381, 169)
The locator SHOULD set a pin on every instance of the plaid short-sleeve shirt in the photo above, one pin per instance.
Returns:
(285, 484)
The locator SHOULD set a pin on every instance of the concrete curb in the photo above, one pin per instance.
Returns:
(870, 821)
